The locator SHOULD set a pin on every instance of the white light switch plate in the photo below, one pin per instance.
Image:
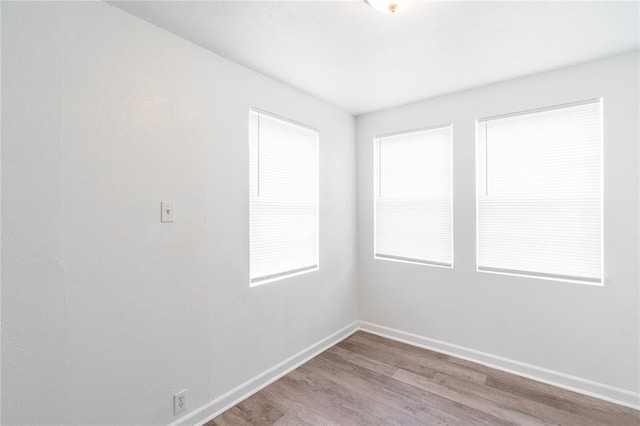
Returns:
(168, 211)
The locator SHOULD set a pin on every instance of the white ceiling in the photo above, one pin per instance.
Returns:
(360, 60)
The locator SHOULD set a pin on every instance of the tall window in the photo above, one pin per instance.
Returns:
(413, 197)
(283, 198)
(539, 193)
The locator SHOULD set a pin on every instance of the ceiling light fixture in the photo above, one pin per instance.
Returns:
(389, 6)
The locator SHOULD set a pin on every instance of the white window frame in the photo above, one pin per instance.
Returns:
(376, 176)
(533, 274)
(255, 282)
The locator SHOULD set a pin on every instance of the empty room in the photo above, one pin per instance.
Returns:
(309, 212)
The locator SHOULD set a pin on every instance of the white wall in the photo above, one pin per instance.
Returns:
(0, 218)
(106, 312)
(585, 331)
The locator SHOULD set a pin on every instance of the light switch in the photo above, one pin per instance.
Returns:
(168, 213)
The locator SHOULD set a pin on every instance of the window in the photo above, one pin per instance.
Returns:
(413, 197)
(539, 193)
(283, 212)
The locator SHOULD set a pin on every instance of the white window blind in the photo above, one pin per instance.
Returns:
(283, 198)
(539, 193)
(413, 197)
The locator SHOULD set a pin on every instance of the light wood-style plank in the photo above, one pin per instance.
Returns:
(369, 380)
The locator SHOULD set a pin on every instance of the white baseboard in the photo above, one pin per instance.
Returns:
(540, 374)
(253, 385)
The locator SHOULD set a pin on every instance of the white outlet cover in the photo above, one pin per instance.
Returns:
(179, 402)
(168, 213)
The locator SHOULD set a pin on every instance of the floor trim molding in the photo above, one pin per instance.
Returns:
(540, 374)
(222, 403)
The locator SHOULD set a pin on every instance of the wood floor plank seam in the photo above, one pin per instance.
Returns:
(424, 405)
(435, 402)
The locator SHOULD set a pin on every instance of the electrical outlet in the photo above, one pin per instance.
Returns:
(179, 402)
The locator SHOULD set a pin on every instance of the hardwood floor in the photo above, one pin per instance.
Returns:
(370, 380)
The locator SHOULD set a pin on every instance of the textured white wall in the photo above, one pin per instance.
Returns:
(587, 331)
(105, 311)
